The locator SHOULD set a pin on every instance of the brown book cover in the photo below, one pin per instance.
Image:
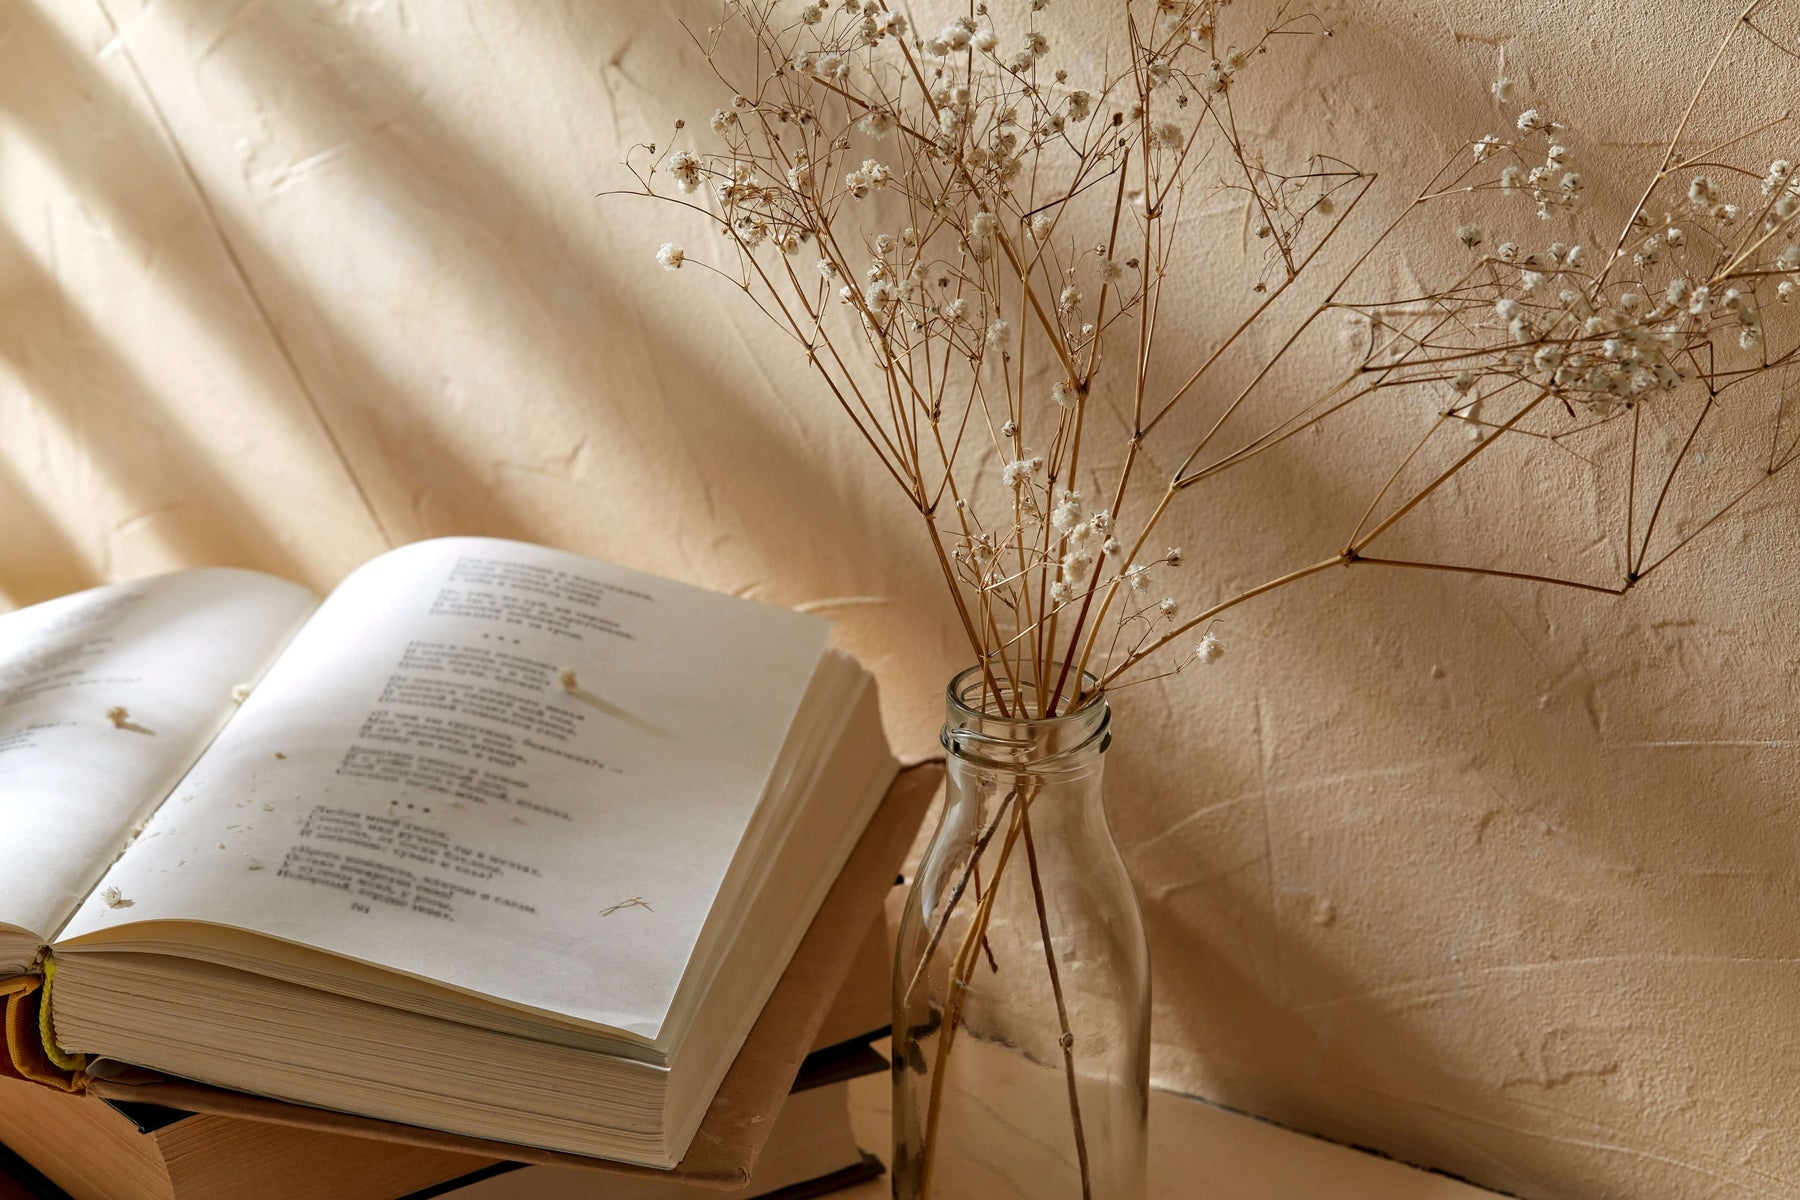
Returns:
(84, 1146)
(861, 1172)
(737, 1122)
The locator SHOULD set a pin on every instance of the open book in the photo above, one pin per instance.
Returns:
(495, 840)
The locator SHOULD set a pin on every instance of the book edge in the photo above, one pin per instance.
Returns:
(14, 1169)
(808, 1189)
(722, 1159)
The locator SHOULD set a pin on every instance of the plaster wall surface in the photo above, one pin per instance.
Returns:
(1494, 878)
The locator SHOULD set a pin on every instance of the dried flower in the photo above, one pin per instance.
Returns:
(987, 150)
(684, 168)
(670, 256)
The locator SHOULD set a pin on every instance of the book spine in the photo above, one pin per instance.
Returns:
(25, 1035)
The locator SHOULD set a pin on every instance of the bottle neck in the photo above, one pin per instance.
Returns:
(989, 728)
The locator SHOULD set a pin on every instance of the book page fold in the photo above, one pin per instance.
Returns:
(106, 699)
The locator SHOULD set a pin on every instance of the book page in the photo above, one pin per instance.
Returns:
(498, 766)
(106, 699)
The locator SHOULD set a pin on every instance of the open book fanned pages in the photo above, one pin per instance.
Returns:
(494, 840)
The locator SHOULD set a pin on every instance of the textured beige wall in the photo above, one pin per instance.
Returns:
(1496, 879)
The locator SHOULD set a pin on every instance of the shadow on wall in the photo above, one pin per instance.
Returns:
(39, 561)
(1496, 988)
(131, 172)
(1462, 918)
(72, 372)
(1371, 956)
(535, 279)
(529, 274)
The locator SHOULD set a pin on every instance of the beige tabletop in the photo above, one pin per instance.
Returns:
(1197, 1150)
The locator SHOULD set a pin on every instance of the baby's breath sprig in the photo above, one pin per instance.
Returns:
(970, 248)
(966, 244)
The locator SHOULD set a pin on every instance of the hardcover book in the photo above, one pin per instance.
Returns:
(494, 840)
(83, 1148)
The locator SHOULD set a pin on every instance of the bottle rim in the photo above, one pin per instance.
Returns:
(989, 739)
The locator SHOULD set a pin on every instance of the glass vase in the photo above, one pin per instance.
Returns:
(1022, 977)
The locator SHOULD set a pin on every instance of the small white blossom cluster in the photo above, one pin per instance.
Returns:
(1077, 546)
(1602, 334)
(984, 125)
(902, 160)
(1551, 183)
(867, 178)
(974, 222)
(684, 168)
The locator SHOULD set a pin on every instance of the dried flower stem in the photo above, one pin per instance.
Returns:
(962, 967)
(1067, 1038)
(968, 255)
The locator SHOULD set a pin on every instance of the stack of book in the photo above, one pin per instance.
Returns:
(496, 853)
(84, 1149)
(57, 1146)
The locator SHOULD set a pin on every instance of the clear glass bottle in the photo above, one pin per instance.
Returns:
(1022, 978)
